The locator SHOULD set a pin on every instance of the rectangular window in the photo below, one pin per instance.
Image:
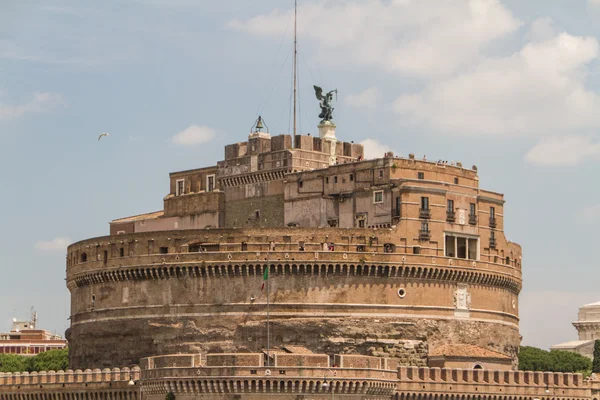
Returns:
(424, 203)
(361, 223)
(327, 180)
(421, 175)
(459, 246)
(425, 226)
(335, 179)
(492, 213)
(210, 183)
(179, 187)
(472, 209)
(456, 181)
(416, 250)
(351, 177)
(164, 250)
(378, 196)
(450, 206)
(381, 173)
(122, 252)
(398, 210)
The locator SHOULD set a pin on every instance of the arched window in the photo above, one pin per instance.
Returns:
(477, 366)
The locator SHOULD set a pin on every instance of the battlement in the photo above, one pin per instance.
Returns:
(533, 384)
(97, 375)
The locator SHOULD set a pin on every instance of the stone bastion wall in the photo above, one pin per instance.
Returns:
(353, 291)
(291, 376)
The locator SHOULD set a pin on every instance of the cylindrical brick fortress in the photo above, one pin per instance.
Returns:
(332, 290)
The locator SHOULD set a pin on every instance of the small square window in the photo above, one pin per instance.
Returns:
(456, 181)
(416, 250)
(164, 250)
(421, 175)
(378, 196)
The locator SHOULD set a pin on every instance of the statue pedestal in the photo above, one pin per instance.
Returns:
(327, 134)
(327, 130)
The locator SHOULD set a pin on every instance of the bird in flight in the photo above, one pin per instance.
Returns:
(102, 135)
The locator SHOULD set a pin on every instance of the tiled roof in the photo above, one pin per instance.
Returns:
(152, 215)
(297, 349)
(465, 350)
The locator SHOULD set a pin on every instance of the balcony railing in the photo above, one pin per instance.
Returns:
(492, 243)
(450, 216)
(425, 213)
(424, 235)
(492, 222)
(472, 219)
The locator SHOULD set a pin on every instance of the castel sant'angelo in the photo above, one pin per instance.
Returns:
(297, 269)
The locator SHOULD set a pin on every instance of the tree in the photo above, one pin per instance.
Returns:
(596, 364)
(53, 360)
(534, 359)
(12, 363)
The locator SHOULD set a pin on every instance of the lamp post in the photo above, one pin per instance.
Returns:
(326, 385)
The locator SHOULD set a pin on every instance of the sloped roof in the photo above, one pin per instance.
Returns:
(140, 217)
(297, 349)
(570, 345)
(597, 304)
(466, 350)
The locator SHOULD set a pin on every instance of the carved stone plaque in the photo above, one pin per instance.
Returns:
(461, 217)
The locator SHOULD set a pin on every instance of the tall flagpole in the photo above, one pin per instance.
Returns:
(295, 58)
(268, 319)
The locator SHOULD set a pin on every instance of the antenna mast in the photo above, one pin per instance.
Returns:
(295, 58)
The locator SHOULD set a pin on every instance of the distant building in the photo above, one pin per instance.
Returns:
(24, 339)
(588, 327)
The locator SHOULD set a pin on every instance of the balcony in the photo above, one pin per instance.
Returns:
(492, 243)
(425, 213)
(424, 235)
(492, 222)
(472, 219)
(450, 216)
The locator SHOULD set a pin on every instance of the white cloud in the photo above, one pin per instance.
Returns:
(368, 98)
(405, 36)
(41, 102)
(193, 135)
(374, 149)
(56, 244)
(537, 91)
(566, 150)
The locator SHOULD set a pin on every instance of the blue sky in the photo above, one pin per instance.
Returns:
(510, 86)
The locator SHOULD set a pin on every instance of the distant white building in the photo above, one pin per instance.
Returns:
(588, 327)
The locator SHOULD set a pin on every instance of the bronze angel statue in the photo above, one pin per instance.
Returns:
(325, 103)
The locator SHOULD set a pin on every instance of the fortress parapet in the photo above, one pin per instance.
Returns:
(121, 383)
(423, 382)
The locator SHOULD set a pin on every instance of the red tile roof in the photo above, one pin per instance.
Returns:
(465, 350)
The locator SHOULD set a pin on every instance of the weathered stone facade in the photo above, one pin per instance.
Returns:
(389, 257)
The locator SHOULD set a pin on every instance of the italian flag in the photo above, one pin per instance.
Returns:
(265, 277)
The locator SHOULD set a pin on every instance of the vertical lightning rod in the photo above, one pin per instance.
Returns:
(295, 58)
